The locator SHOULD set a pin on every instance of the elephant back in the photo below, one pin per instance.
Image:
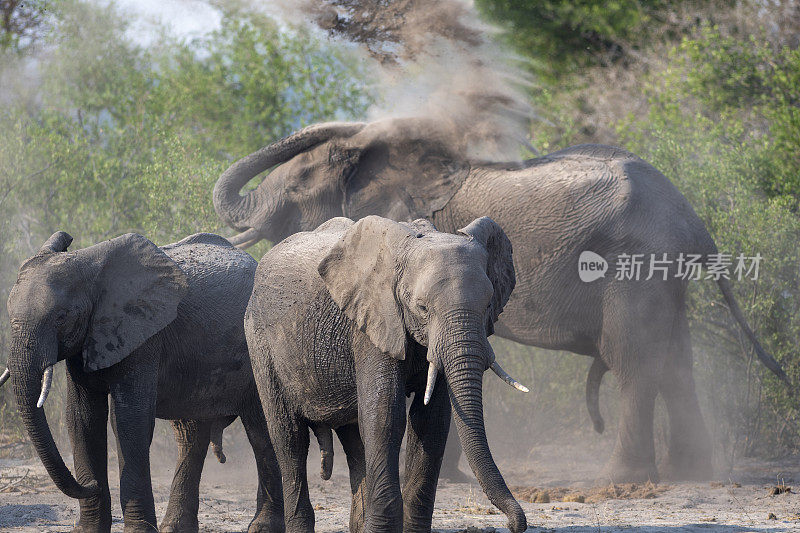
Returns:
(287, 278)
(220, 277)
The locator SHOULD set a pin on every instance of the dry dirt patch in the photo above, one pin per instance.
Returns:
(622, 491)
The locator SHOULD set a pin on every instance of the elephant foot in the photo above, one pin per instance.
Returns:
(179, 526)
(92, 528)
(95, 516)
(267, 524)
(621, 472)
(140, 527)
(415, 525)
(687, 468)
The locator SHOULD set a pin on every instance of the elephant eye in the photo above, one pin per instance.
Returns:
(423, 308)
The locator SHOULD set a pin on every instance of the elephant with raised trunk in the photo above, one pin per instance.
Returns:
(553, 208)
(160, 331)
(349, 319)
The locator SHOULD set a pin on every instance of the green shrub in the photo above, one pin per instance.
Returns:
(722, 126)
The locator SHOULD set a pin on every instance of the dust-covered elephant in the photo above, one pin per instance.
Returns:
(347, 320)
(160, 331)
(587, 198)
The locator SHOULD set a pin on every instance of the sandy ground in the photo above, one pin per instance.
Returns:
(739, 503)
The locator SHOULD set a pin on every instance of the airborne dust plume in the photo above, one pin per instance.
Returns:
(436, 60)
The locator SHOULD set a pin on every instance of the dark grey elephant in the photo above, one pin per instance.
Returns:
(586, 198)
(347, 320)
(161, 331)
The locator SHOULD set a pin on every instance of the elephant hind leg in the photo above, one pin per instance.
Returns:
(192, 438)
(637, 328)
(633, 458)
(290, 439)
(689, 449)
(452, 456)
(268, 517)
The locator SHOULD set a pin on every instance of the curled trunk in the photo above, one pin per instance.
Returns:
(256, 208)
(464, 364)
(27, 384)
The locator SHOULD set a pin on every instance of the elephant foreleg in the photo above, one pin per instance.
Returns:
(381, 420)
(425, 445)
(192, 438)
(353, 447)
(87, 417)
(134, 402)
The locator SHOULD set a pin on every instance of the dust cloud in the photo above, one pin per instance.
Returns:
(436, 60)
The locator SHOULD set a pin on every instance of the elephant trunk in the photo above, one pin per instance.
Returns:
(28, 362)
(464, 361)
(252, 213)
(235, 209)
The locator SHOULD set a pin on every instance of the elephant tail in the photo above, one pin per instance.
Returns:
(325, 439)
(767, 359)
(593, 381)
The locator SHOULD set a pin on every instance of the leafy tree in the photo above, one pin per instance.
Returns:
(21, 23)
(118, 137)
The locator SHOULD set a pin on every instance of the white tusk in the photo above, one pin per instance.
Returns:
(5, 376)
(47, 380)
(432, 373)
(497, 369)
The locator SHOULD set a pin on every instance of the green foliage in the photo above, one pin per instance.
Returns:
(722, 126)
(248, 82)
(753, 88)
(118, 137)
(562, 35)
(22, 23)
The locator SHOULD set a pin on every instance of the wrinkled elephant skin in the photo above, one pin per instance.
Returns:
(348, 319)
(160, 331)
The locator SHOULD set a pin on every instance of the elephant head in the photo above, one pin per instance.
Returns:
(408, 281)
(99, 304)
(401, 168)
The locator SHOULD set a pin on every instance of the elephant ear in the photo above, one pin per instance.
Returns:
(499, 268)
(138, 289)
(361, 275)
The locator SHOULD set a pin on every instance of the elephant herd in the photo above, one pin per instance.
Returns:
(392, 265)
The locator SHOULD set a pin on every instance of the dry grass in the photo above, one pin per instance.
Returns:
(471, 506)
